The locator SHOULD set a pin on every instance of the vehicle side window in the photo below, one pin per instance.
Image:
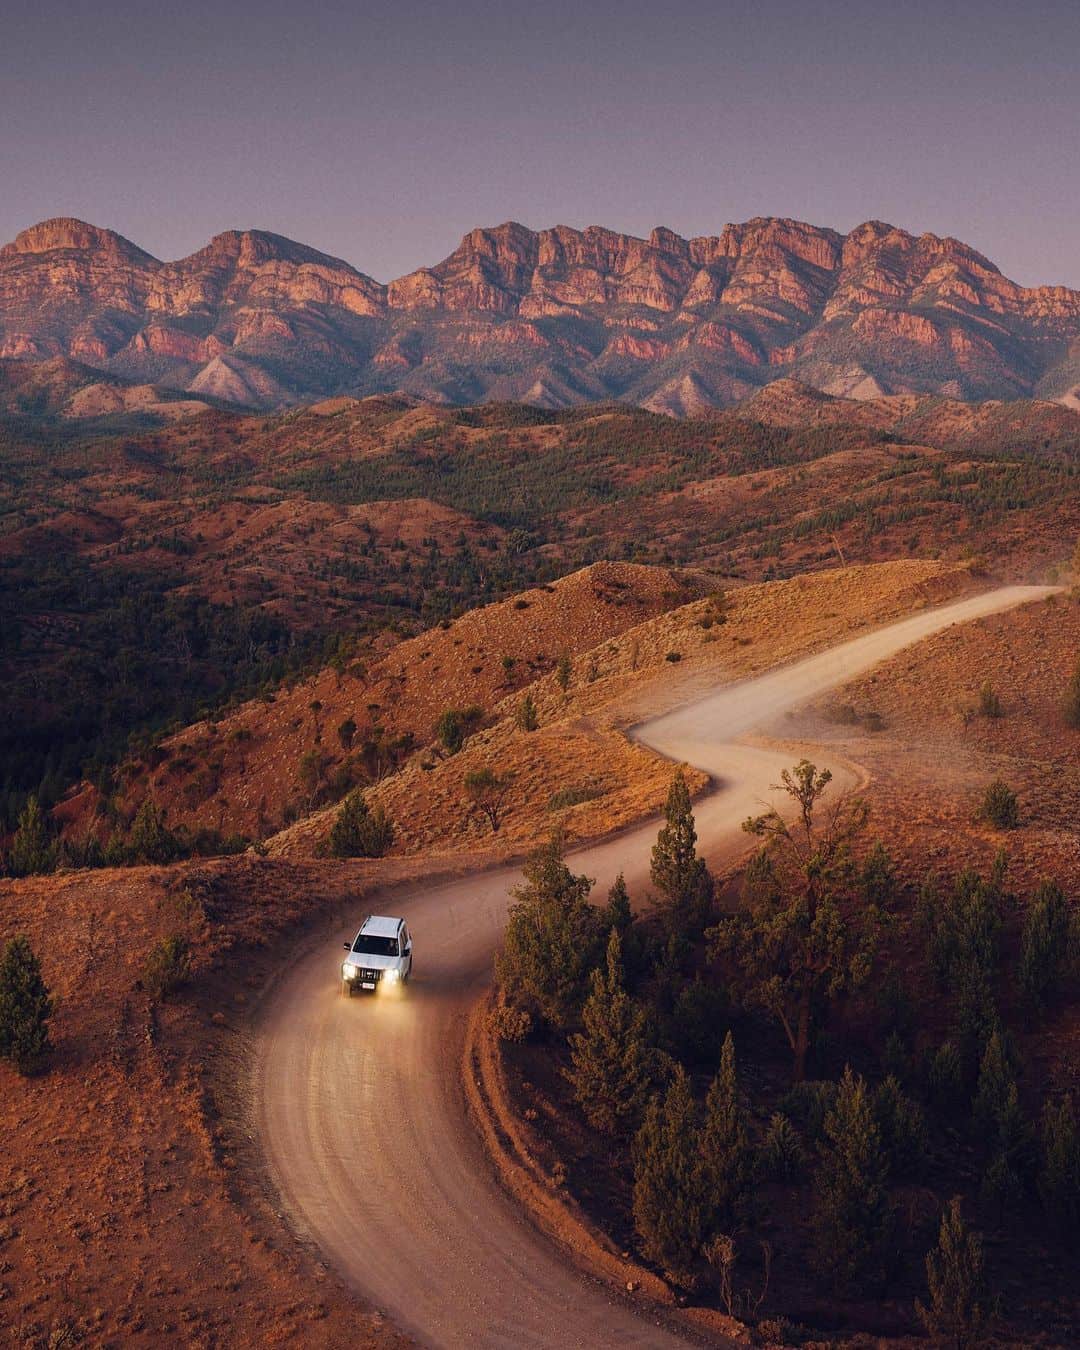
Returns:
(404, 938)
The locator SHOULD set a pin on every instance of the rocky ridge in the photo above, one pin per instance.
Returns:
(552, 317)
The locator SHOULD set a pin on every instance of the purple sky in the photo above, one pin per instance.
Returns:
(381, 132)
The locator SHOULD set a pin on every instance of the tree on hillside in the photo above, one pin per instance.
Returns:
(358, 831)
(1003, 1134)
(1000, 807)
(1049, 948)
(455, 725)
(563, 670)
(806, 935)
(727, 1161)
(852, 1218)
(670, 1206)
(527, 717)
(487, 792)
(678, 873)
(1059, 1169)
(346, 733)
(32, 849)
(25, 1007)
(150, 840)
(956, 1312)
(552, 939)
(612, 1065)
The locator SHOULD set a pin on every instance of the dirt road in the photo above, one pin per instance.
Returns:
(359, 1105)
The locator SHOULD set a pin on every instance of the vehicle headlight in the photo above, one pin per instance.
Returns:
(348, 971)
(393, 976)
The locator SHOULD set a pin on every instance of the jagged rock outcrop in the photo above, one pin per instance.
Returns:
(554, 316)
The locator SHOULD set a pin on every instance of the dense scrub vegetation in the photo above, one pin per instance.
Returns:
(833, 1074)
(109, 638)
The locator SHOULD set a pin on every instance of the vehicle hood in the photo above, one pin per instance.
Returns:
(372, 962)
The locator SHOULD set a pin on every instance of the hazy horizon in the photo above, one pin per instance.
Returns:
(380, 134)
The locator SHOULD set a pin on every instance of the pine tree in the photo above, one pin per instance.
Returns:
(853, 1218)
(996, 1084)
(725, 1150)
(1048, 949)
(612, 1066)
(670, 1212)
(358, 831)
(902, 1125)
(25, 1007)
(954, 1276)
(32, 850)
(150, 841)
(552, 939)
(617, 912)
(1059, 1171)
(1001, 1129)
(805, 935)
(681, 877)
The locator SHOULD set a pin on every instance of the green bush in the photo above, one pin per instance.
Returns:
(989, 702)
(359, 832)
(1000, 807)
(527, 717)
(781, 1152)
(455, 725)
(33, 850)
(167, 966)
(25, 1007)
(573, 796)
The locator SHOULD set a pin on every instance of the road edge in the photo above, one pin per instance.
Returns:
(505, 1141)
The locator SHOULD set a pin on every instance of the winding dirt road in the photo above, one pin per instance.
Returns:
(359, 1106)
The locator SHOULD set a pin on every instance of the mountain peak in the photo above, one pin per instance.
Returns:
(66, 232)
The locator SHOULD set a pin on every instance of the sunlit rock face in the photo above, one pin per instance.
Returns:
(556, 316)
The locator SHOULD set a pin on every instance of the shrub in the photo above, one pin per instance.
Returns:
(32, 849)
(989, 702)
(809, 1103)
(358, 831)
(509, 1024)
(574, 796)
(563, 670)
(150, 841)
(167, 966)
(673, 657)
(781, 1153)
(455, 725)
(1000, 807)
(25, 1007)
(346, 732)
(527, 717)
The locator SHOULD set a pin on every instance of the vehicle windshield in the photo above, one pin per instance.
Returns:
(375, 946)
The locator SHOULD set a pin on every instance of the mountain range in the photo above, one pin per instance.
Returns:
(553, 317)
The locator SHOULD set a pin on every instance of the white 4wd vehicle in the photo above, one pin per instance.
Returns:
(379, 956)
